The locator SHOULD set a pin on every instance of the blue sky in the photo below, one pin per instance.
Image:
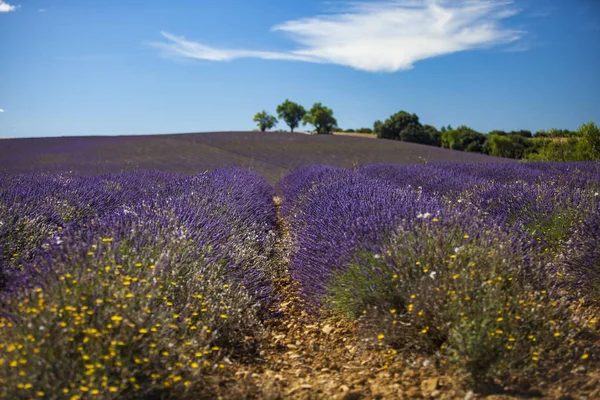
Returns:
(94, 67)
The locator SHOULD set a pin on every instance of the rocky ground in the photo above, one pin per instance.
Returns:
(323, 358)
(310, 356)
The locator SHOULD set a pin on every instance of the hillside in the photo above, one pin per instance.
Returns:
(271, 154)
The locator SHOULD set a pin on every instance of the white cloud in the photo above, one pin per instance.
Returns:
(383, 36)
(1, 110)
(179, 46)
(5, 7)
(42, 10)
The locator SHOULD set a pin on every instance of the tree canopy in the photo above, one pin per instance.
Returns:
(292, 113)
(377, 127)
(264, 120)
(511, 146)
(463, 138)
(434, 137)
(549, 145)
(407, 128)
(321, 118)
(402, 126)
(591, 134)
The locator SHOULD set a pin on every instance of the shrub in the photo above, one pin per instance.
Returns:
(477, 265)
(146, 299)
(336, 214)
(466, 290)
(115, 325)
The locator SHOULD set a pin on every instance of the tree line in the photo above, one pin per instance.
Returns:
(582, 144)
(293, 114)
(553, 145)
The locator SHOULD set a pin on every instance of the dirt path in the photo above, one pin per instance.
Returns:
(309, 356)
(322, 358)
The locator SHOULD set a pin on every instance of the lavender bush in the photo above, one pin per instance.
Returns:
(338, 216)
(142, 288)
(482, 264)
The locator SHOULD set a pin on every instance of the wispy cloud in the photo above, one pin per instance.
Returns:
(384, 36)
(1, 110)
(42, 10)
(5, 7)
(179, 46)
(518, 47)
(540, 14)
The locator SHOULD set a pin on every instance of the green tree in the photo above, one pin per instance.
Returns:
(553, 150)
(523, 133)
(321, 118)
(292, 113)
(444, 128)
(560, 133)
(580, 145)
(591, 136)
(377, 127)
(364, 130)
(264, 120)
(510, 146)
(405, 127)
(463, 138)
(435, 136)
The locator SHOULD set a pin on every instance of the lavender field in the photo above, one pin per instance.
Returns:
(271, 154)
(158, 285)
(489, 267)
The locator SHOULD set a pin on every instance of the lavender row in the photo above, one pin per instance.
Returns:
(229, 210)
(479, 265)
(143, 283)
(335, 214)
